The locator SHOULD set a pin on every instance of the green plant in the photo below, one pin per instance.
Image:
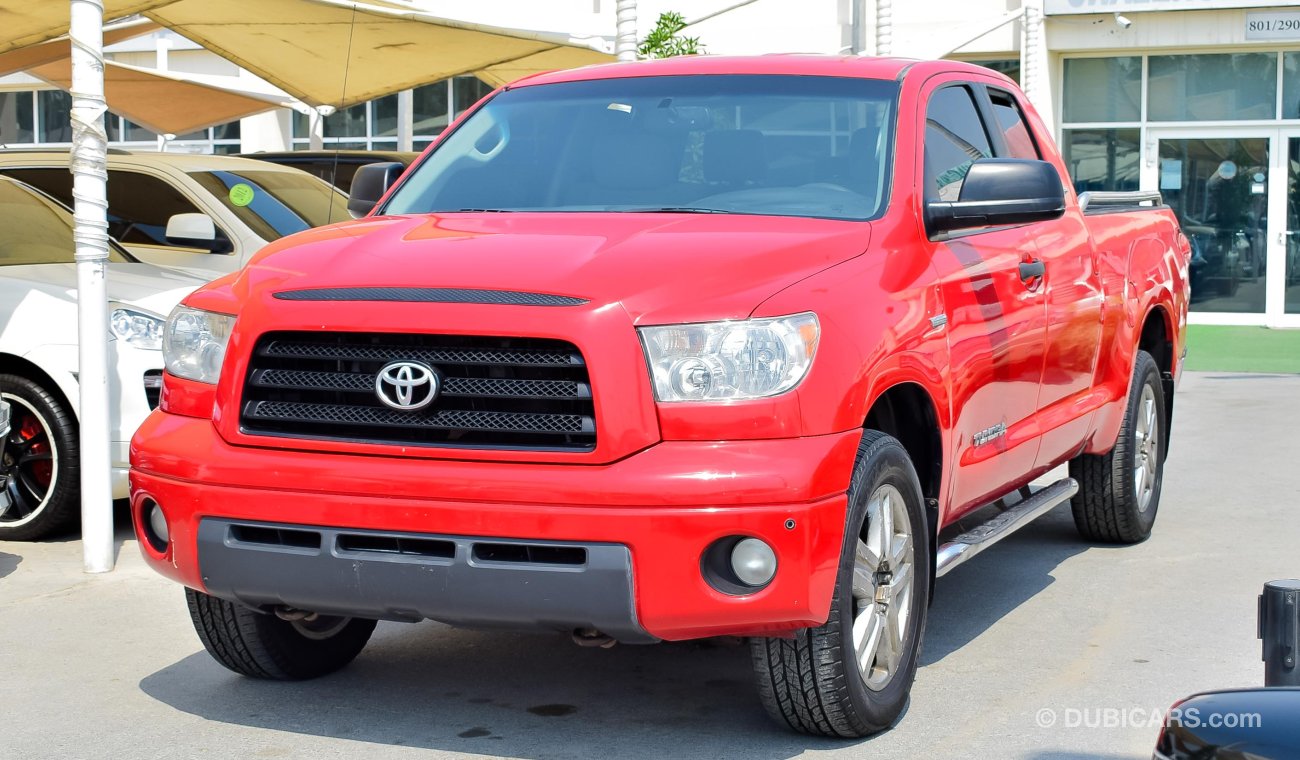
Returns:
(664, 42)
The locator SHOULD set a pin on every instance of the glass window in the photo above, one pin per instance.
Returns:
(1102, 159)
(1291, 85)
(663, 143)
(35, 230)
(1102, 89)
(1011, 122)
(227, 131)
(385, 116)
(467, 92)
(284, 202)
(346, 122)
(139, 206)
(954, 139)
(16, 118)
(132, 132)
(1217, 189)
(55, 109)
(1007, 66)
(1213, 86)
(429, 108)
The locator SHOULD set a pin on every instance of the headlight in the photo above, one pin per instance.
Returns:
(730, 360)
(194, 344)
(134, 327)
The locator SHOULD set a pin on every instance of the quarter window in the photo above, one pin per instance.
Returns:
(954, 139)
(1012, 124)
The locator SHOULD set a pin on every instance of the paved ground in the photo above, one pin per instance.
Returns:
(1041, 626)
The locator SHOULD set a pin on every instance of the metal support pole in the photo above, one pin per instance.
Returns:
(625, 41)
(884, 27)
(90, 210)
(1279, 622)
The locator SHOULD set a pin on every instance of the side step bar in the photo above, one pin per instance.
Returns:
(981, 537)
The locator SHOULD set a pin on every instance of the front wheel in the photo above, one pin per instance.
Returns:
(39, 480)
(261, 645)
(851, 676)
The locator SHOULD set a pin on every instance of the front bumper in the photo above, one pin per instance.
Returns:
(660, 508)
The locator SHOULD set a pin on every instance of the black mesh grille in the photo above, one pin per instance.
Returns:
(494, 392)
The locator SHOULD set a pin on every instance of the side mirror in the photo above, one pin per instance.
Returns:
(369, 185)
(1234, 724)
(194, 231)
(1000, 191)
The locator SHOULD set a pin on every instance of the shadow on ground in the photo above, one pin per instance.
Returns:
(9, 563)
(539, 696)
(973, 597)
(517, 695)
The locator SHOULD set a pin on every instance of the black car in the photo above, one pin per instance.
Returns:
(335, 166)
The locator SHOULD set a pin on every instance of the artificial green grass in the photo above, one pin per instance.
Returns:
(1216, 348)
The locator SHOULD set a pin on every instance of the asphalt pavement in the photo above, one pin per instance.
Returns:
(1042, 648)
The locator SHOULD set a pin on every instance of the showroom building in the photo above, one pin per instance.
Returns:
(1199, 99)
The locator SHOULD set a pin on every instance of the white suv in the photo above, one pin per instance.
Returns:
(206, 215)
(39, 479)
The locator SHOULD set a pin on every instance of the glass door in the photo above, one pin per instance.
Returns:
(1286, 284)
(1218, 187)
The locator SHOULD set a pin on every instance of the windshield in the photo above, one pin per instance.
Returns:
(776, 145)
(37, 230)
(276, 203)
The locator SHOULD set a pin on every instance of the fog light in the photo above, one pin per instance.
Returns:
(753, 562)
(155, 525)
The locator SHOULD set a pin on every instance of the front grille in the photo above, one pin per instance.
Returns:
(494, 392)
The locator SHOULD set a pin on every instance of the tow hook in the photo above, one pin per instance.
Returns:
(590, 637)
(290, 615)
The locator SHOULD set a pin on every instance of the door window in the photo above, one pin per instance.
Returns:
(138, 205)
(35, 230)
(954, 139)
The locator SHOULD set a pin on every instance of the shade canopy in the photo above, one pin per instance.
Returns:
(337, 53)
(21, 59)
(28, 22)
(164, 103)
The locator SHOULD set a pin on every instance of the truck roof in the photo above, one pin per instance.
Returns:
(797, 64)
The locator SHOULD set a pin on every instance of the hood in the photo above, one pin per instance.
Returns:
(661, 268)
(143, 286)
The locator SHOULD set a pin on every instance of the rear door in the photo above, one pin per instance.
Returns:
(996, 321)
(1072, 288)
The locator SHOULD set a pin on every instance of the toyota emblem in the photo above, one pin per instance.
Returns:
(407, 385)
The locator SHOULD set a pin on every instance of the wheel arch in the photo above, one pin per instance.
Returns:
(65, 391)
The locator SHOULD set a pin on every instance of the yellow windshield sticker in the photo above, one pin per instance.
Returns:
(241, 194)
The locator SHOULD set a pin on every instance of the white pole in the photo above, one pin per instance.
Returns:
(1033, 59)
(884, 27)
(90, 209)
(625, 30)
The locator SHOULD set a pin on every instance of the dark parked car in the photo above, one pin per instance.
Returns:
(335, 166)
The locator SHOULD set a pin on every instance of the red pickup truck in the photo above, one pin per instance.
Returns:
(670, 350)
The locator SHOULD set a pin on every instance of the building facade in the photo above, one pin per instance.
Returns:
(1199, 99)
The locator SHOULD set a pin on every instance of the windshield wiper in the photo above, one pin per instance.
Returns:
(671, 210)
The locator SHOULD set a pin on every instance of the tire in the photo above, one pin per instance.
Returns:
(1113, 505)
(261, 645)
(811, 682)
(39, 467)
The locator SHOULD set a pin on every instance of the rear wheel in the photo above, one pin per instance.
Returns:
(39, 472)
(261, 645)
(851, 676)
(1119, 492)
